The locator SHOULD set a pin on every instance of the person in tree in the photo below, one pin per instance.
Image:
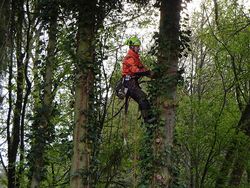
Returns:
(132, 70)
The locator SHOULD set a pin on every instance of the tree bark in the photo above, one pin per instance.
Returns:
(80, 169)
(42, 126)
(248, 175)
(25, 100)
(4, 28)
(238, 169)
(226, 166)
(15, 134)
(243, 149)
(168, 61)
(242, 152)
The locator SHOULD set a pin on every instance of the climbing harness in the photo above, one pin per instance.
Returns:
(120, 89)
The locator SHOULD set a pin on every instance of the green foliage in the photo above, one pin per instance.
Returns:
(3, 180)
(212, 93)
(209, 111)
(147, 167)
(119, 150)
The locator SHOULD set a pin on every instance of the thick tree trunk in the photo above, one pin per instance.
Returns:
(80, 169)
(13, 143)
(42, 127)
(168, 61)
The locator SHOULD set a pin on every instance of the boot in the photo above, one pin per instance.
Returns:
(147, 117)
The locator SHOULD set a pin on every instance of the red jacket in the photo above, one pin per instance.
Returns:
(132, 64)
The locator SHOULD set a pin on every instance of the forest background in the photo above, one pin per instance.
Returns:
(63, 126)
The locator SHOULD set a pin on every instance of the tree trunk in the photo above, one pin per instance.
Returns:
(238, 169)
(226, 166)
(42, 127)
(4, 28)
(248, 175)
(29, 34)
(243, 149)
(238, 163)
(80, 169)
(168, 62)
(13, 143)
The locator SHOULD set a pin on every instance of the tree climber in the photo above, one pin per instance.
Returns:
(132, 70)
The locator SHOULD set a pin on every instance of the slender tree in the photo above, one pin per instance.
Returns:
(27, 50)
(14, 138)
(42, 126)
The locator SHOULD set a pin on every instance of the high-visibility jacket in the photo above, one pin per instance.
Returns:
(132, 64)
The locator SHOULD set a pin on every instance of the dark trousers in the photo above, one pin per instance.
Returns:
(136, 93)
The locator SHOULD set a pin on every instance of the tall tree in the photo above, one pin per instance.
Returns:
(42, 127)
(27, 50)
(87, 128)
(14, 136)
(84, 80)
(169, 33)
